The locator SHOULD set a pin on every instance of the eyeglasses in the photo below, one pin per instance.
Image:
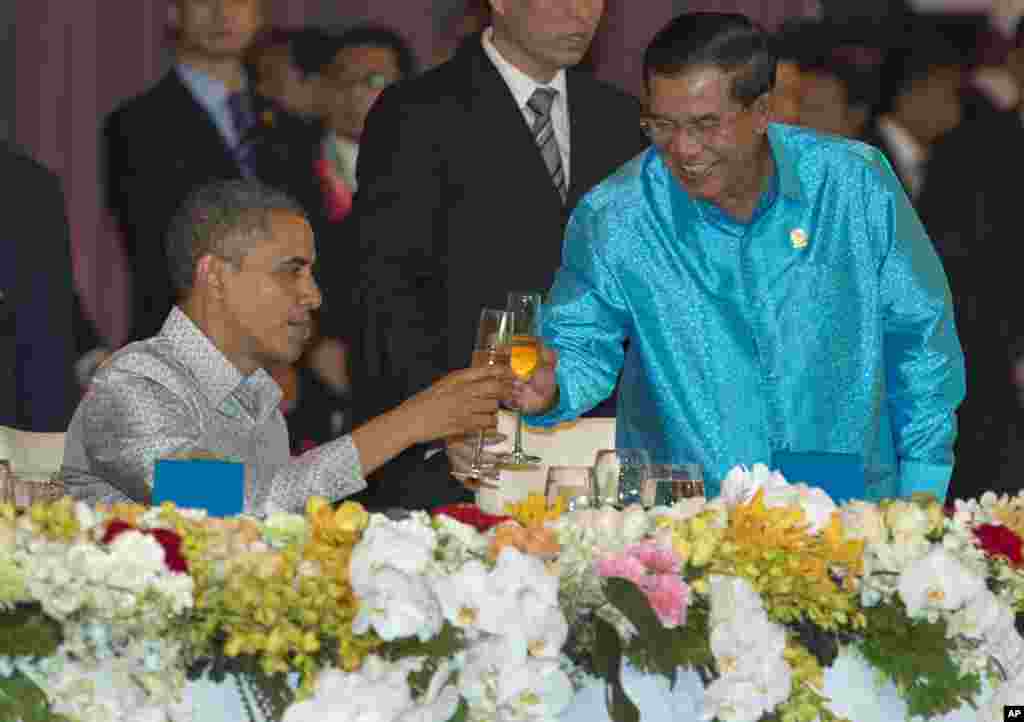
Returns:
(662, 130)
(372, 81)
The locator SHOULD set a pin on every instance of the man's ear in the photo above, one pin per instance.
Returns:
(209, 273)
(762, 110)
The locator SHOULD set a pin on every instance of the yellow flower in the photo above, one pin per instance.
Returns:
(535, 510)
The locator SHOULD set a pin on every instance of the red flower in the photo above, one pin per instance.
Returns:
(1000, 541)
(171, 542)
(472, 515)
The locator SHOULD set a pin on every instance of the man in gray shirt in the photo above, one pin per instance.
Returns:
(241, 258)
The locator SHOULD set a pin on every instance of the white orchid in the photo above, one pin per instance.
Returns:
(983, 615)
(733, 598)
(397, 605)
(741, 483)
(1009, 693)
(936, 583)
(906, 521)
(377, 692)
(406, 545)
(464, 595)
(746, 698)
(499, 680)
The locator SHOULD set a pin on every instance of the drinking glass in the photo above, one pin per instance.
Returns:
(524, 350)
(669, 483)
(621, 474)
(575, 484)
(491, 349)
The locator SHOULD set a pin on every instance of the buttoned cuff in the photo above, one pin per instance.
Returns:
(920, 476)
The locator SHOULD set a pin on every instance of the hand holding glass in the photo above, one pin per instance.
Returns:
(492, 339)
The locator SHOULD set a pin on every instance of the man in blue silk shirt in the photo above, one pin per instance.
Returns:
(777, 289)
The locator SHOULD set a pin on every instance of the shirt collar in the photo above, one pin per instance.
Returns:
(216, 377)
(521, 84)
(344, 154)
(785, 165)
(907, 153)
(209, 91)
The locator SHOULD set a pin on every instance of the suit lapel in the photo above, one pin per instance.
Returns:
(587, 166)
(511, 143)
(194, 125)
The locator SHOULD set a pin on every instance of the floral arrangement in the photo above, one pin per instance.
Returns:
(761, 597)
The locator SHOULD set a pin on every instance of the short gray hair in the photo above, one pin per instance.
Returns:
(217, 219)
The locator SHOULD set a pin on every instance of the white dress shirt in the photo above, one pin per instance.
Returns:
(343, 154)
(522, 87)
(908, 156)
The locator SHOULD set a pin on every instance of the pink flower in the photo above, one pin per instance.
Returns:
(625, 567)
(655, 569)
(656, 558)
(669, 597)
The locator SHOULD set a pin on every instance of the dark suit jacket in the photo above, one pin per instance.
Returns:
(970, 205)
(455, 208)
(37, 390)
(159, 147)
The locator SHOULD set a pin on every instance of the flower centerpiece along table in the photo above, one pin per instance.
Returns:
(768, 603)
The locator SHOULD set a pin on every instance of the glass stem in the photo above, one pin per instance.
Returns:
(479, 453)
(517, 450)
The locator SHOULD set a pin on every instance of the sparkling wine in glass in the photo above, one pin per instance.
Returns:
(524, 353)
(491, 349)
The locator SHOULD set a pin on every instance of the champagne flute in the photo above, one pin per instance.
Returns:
(524, 347)
(491, 349)
(621, 474)
(576, 485)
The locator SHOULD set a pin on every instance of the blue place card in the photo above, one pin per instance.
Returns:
(217, 486)
(840, 475)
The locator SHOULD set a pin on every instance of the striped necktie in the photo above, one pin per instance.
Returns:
(244, 118)
(544, 135)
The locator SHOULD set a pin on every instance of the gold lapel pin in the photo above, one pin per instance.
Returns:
(798, 237)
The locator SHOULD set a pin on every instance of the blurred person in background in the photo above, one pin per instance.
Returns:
(202, 121)
(828, 102)
(346, 71)
(971, 207)
(465, 19)
(273, 64)
(37, 349)
(919, 100)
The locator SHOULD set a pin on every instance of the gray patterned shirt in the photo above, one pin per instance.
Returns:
(176, 393)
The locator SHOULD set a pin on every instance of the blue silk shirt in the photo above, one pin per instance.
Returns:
(823, 324)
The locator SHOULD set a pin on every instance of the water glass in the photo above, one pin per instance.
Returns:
(575, 484)
(670, 483)
(621, 474)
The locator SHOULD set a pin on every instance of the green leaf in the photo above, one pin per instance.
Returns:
(461, 713)
(26, 631)
(21, 699)
(915, 655)
(632, 602)
(608, 665)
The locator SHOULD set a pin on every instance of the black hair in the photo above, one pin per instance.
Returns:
(217, 219)
(728, 41)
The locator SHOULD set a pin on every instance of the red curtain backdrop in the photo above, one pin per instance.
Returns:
(76, 60)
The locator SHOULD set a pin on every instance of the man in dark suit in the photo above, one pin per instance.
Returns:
(200, 123)
(467, 176)
(36, 297)
(972, 213)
